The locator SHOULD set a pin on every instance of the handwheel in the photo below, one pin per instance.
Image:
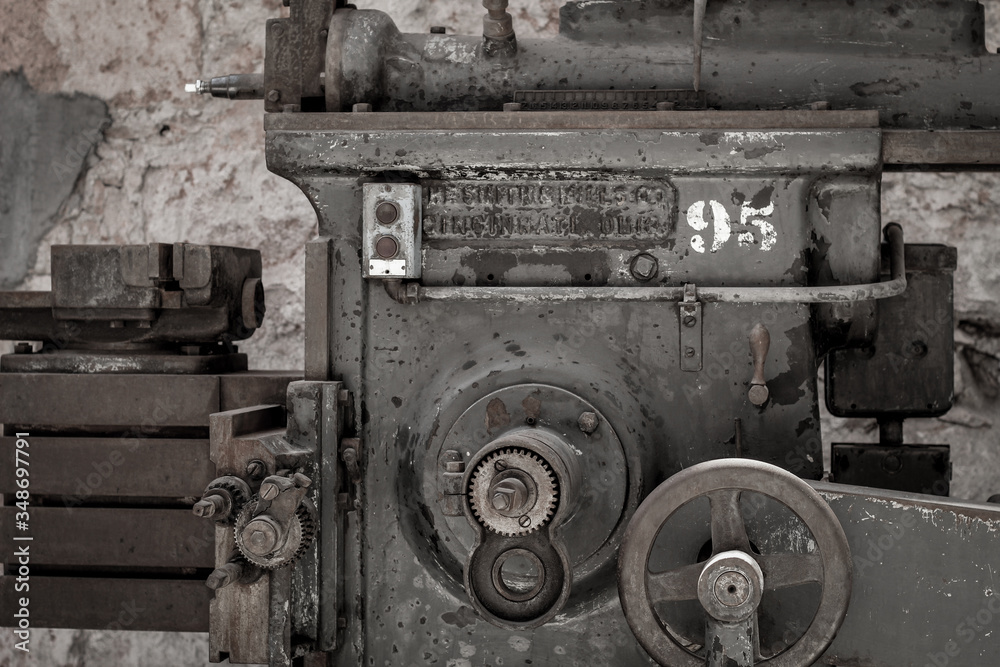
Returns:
(729, 585)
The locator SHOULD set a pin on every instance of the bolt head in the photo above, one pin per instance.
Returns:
(260, 537)
(501, 501)
(204, 508)
(273, 95)
(218, 579)
(588, 422)
(644, 267)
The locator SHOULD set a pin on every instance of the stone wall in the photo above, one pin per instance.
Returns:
(175, 167)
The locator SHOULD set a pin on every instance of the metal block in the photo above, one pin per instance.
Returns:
(81, 469)
(689, 317)
(148, 403)
(392, 230)
(166, 605)
(908, 371)
(914, 468)
(120, 537)
(924, 580)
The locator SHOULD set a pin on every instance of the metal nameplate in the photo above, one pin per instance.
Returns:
(607, 100)
(539, 210)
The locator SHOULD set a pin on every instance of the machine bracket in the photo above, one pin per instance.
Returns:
(689, 310)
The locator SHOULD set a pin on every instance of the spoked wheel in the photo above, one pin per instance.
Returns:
(730, 584)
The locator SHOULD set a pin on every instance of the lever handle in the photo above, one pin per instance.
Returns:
(760, 342)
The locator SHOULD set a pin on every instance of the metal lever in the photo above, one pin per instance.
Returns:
(760, 342)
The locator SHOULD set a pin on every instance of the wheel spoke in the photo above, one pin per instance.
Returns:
(787, 570)
(674, 585)
(728, 531)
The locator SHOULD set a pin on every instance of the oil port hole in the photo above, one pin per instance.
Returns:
(518, 575)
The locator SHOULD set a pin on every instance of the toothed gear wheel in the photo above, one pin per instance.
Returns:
(508, 469)
(300, 535)
(239, 493)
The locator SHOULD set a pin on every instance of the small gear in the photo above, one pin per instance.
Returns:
(234, 490)
(513, 492)
(299, 536)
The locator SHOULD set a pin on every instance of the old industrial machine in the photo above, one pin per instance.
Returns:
(565, 315)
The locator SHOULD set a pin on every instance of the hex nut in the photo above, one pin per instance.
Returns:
(644, 267)
(588, 422)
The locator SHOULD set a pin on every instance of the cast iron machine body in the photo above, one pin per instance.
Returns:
(565, 315)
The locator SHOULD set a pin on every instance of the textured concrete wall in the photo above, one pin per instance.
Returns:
(175, 167)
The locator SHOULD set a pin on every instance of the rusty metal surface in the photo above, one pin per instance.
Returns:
(298, 606)
(114, 603)
(101, 537)
(559, 120)
(908, 369)
(156, 294)
(82, 468)
(642, 585)
(925, 580)
(114, 402)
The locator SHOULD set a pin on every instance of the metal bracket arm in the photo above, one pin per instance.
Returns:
(412, 292)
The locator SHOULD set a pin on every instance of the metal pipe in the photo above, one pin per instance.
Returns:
(896, 285)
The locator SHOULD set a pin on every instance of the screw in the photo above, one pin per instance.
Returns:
(273, 96)
(256, 469)
(644, 267)
(23, 348)
(269, 490)
(690, 321)
(689, 352)
(386, 213)
(588, 422)
(500, 465)
(524, 521)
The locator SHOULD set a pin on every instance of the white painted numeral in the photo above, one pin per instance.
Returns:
(723, 227)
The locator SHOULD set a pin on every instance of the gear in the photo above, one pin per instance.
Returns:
(298, 537)
(234, 490)
(513, 492)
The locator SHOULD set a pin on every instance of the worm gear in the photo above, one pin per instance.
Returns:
(513, 492)
(265, 543)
